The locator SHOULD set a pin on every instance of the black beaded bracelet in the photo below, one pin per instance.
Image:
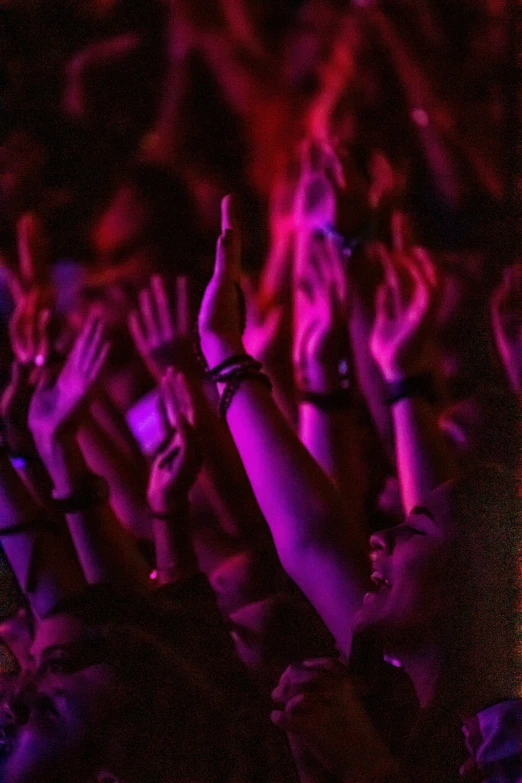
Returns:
(421, 385)
(338, 400)
(233, 384)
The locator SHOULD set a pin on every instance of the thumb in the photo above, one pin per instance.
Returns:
(228, 255)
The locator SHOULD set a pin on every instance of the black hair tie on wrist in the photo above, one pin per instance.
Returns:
(39, 525)
(421, 385)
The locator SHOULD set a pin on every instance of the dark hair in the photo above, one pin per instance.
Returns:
(170, 711)
(486, 509)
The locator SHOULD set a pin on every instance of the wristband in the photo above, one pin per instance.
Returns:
(413, 386)
(338, 400)
(92, 492)
(234, 363)
(33, 526)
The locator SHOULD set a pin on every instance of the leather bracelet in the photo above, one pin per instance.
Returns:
(421, 385)
(92, 492)
(233, 363)
(338, 400)
(235, 382)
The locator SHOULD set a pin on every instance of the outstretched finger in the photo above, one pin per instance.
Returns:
(98, 361)
(92, 348)
(228, 214)
(84, 338)
(426, 265)
(163, 307)
(391, 277)
(228, 253)
(30, 324)
(385, 304)
(32, 249)
(337, 267)
(138, 332)
(43, 343)
(148, 315)
(172, 408)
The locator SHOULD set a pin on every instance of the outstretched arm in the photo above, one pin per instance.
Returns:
(299, 502)
(401, 343)
(104, 549)
(163, 334)
(172, 476)
(328, 409)
(36, 545)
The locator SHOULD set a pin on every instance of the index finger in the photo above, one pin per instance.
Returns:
(32, 249)
(170, 400)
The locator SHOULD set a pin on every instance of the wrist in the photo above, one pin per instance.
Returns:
(324, 376)
(166, 509)
(394, 373)
(64, 462)
(420, 386)
(217, 349)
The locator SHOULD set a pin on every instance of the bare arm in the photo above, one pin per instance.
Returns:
(161, 330)
(401, 345)
(299, 502)
(172, 475)
(104, 549)
(328, 411)
(43, 560)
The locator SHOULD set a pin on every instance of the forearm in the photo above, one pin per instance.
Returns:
(175, 556)
(298, 501)
(368, 375)
(225, 474)
(43, 561)
(423, 459)
(301, 506)
(32, 471)
(125, 479)
(105, 551)
(333, 438)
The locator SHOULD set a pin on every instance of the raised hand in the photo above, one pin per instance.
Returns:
(57, 400)
(161, 331)
(320, 179)
(220, 320)
(177, 463)
(321, 305)
(318, 704)
(507, 325)
(28, 329)
(406, 303)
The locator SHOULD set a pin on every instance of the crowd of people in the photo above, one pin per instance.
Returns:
(259, 512)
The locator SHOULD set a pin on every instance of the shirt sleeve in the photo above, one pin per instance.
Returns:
(494, 740)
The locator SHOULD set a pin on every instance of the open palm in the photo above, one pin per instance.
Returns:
(56, 400)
